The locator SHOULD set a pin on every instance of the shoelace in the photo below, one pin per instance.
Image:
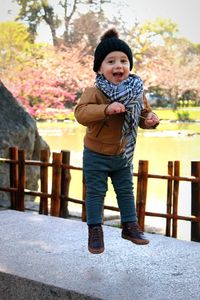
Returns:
(135, 227)
(96, 233)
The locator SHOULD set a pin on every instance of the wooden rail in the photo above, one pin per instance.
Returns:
(61, 177)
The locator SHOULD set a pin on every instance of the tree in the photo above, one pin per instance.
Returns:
(164, 61)
(174, 68)
(14, 38)
(49, 83)
(87, 33)
(34, 12)
(151, 33)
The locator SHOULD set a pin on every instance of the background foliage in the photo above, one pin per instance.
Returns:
(49, 79)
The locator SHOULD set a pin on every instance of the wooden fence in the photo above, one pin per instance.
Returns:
(56, 202)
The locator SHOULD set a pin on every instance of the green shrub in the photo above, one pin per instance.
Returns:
(183, 116)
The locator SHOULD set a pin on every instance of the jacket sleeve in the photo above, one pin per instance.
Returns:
(90, 107)
(144, 113)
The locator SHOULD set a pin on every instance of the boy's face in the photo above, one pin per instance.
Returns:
(115, 67)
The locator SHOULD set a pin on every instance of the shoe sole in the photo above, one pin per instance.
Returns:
(96, 251)
(135, 241)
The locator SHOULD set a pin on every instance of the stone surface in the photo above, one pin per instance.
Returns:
(18, 129)
(47, 257)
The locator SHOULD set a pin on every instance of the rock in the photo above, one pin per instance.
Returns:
(18, 129)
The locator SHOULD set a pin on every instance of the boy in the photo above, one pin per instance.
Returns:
(112, 111)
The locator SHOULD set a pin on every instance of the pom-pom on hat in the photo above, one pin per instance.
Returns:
(110, 42)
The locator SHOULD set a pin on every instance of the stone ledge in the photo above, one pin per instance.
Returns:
(13, 287)
(47, 257)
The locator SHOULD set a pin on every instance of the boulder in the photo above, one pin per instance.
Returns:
(18, 129)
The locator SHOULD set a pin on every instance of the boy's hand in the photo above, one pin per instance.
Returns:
(151, 120)
(115, 108)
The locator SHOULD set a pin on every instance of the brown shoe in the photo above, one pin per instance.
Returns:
(95, 240)
(132, 232)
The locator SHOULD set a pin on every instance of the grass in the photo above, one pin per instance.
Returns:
(169, 114)
(193, 113)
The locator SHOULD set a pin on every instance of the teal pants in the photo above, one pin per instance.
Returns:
(97, 168)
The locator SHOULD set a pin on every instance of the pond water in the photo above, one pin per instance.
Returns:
(170, 141)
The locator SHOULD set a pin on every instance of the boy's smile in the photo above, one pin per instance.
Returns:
(118, 76)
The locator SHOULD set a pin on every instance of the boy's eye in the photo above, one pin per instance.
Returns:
(111, 61)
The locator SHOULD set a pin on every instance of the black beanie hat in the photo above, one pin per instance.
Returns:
(110, 42)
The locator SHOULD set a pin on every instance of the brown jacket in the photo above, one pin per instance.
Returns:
(104, 133)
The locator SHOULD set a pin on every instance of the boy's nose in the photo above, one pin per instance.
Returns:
(118, 64)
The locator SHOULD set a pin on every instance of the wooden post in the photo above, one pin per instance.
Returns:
(142, 191)
(22, 179)
(84, 216)
(139, 189)
(169, 198)
(13, 154)
(175, 199)
(65, 184)
(44, 157)
(195, 226)
(56, 184)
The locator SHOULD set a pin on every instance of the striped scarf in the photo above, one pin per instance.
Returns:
(130, 93)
